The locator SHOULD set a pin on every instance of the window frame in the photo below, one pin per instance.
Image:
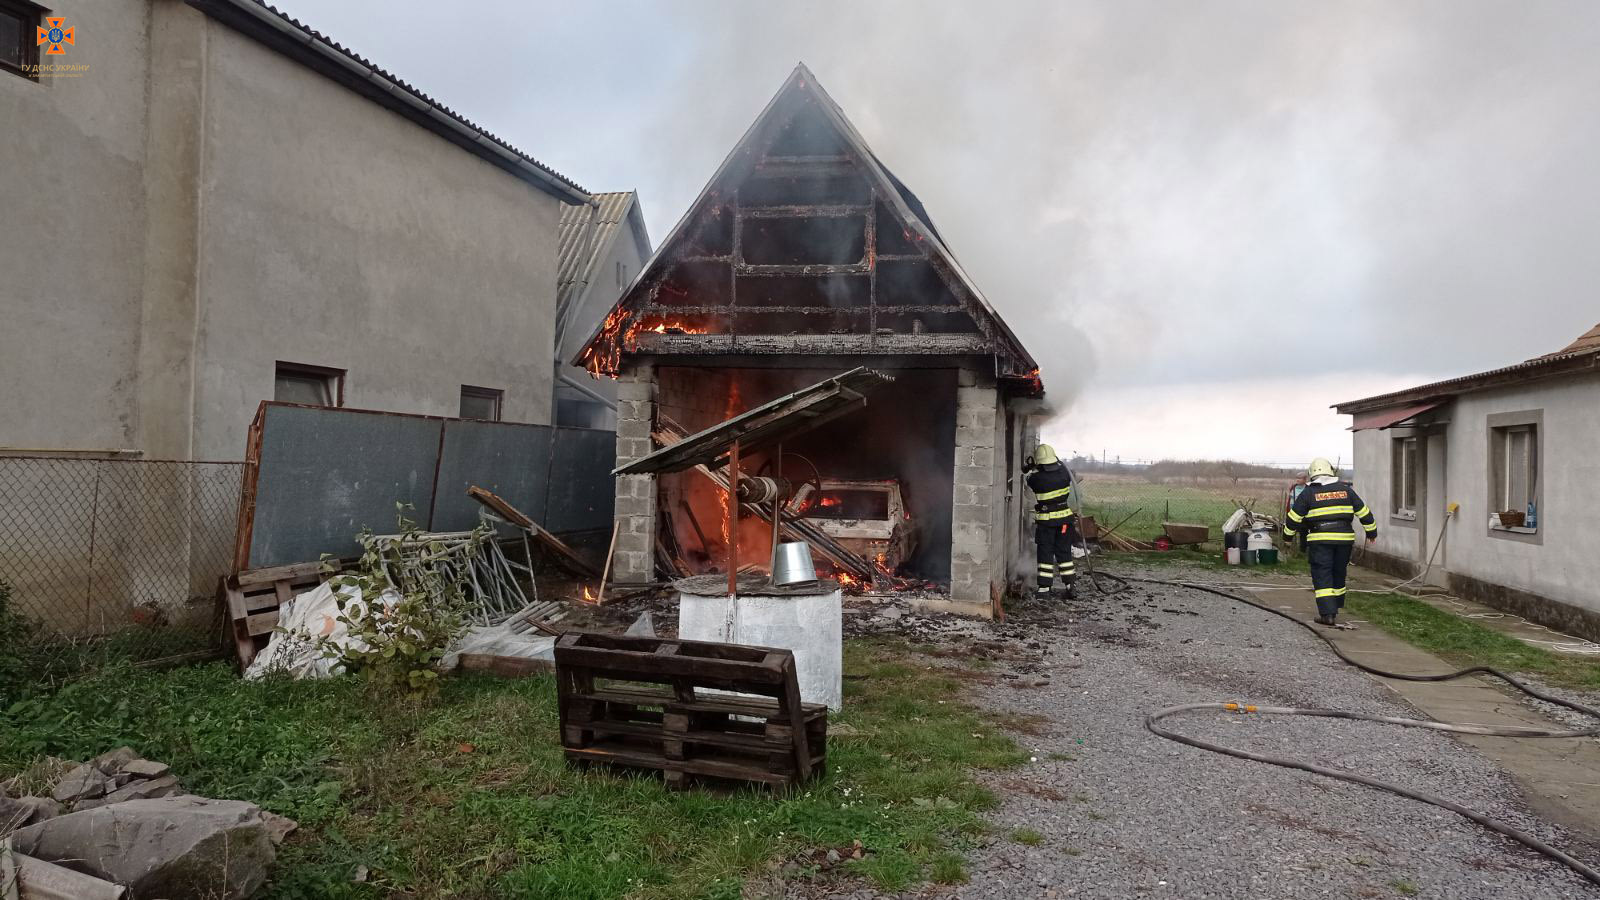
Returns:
(1403, 476)
(331, 378)
(497, 395)
(32, 16)
(1499, 428)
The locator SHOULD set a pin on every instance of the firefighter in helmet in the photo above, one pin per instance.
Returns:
(1054, 521)
(1326, 512)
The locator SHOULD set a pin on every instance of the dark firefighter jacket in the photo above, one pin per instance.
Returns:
(1052, 492)
(1327, 512)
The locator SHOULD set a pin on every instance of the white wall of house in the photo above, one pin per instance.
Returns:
(195, 207)
(1559, 562)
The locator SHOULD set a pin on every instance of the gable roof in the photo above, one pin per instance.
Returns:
(584, 238)
(1578, 357)
(612, 333)
(286, 35)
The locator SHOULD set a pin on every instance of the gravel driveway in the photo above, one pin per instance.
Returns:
(1121, 813)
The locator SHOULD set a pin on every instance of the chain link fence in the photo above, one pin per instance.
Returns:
(115, 559)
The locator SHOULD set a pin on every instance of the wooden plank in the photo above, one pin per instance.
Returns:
(564, 554)
(733, 706)
(642, 758)
(505, 666)
(261, 623)
(278, 573)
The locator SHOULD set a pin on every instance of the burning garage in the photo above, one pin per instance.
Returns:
(803, 258)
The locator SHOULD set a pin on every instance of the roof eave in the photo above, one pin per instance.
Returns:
(282, 35)
(1532, 370)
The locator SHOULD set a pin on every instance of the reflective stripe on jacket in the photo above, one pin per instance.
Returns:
(1052, 492)
(1327, 512)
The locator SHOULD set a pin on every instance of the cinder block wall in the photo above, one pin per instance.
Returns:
(978, 495)
(636, 494)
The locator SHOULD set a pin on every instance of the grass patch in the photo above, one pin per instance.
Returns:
(1027, 837)
(1210, 559)
(1466, 643)
(469, 797)
(1405, 887)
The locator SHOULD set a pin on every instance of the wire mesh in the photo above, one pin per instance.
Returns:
(116, 559)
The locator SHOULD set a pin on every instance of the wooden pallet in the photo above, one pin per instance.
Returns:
(656, 703)
(253, 598)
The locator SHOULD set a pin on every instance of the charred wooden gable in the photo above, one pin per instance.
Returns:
(803, 243)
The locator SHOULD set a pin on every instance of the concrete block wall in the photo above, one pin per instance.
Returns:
(978, 500)
(636, 494)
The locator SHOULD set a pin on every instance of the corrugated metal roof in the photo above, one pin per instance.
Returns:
(212, 7)
(1562, 362)
(584, 234)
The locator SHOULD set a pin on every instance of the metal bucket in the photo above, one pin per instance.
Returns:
(794, 565)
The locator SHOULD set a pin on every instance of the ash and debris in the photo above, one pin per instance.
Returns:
(1123, 813)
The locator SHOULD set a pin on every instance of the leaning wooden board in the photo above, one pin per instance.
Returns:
(662, 704)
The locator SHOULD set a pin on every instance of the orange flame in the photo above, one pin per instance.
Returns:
(588, 596)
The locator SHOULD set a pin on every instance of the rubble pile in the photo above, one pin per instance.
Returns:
(121, 825)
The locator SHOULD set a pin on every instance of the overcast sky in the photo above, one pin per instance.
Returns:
(1208, 221)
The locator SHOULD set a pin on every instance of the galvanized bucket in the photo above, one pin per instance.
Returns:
(794, 565)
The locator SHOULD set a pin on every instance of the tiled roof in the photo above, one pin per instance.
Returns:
(1589, 340)
(405, 95)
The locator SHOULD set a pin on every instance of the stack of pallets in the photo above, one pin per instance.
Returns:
(687, 708)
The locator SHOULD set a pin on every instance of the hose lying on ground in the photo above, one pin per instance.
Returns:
(1151, 722)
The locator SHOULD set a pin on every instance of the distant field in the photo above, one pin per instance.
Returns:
(1198, 501)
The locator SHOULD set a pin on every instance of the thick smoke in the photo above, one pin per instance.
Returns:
(1158, 196)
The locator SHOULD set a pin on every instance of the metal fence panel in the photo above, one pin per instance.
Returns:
(324, 473)
(123, 550)
(582, 491)
(511, 460)
(327, 473)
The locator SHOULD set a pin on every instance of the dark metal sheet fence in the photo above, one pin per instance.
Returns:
(119, 551)
(315, 477)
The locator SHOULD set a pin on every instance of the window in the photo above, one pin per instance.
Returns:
(310, 385)
(1403, 494)
(1516, 467)
(622, 274)
(572, 413)
(19, 46)
(480, 403)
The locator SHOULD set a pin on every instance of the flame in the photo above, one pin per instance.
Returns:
(588, 596)
(829, 501)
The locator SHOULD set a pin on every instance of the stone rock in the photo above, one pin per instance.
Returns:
(83, 783)
(144, 790)
(166, 847)
(39, 879)
(146, 768)
(112, 761)
(278, 827)
(24, 811)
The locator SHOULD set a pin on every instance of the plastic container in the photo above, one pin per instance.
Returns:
(1260, 539)
(1233, 556)
(1247, 557)
(1267, 557)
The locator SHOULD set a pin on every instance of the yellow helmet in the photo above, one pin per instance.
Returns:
(1045, 455)
(1320, 466)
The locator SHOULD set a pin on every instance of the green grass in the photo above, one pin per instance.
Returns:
(1405, 887)
(468, 796)
(1145, 505)
(1027, 837)
(1466, 643)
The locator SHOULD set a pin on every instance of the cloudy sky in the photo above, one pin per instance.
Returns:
(1208, 221)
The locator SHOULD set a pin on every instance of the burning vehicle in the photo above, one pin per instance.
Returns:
(868, 518)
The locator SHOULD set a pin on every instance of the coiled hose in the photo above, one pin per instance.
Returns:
(1152, 721)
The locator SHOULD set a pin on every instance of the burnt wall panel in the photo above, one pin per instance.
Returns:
(816, 240)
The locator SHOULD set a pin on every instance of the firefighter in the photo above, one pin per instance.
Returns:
(1054, 520)
(1325, 512)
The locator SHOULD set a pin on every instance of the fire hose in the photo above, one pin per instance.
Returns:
(1152, 721)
